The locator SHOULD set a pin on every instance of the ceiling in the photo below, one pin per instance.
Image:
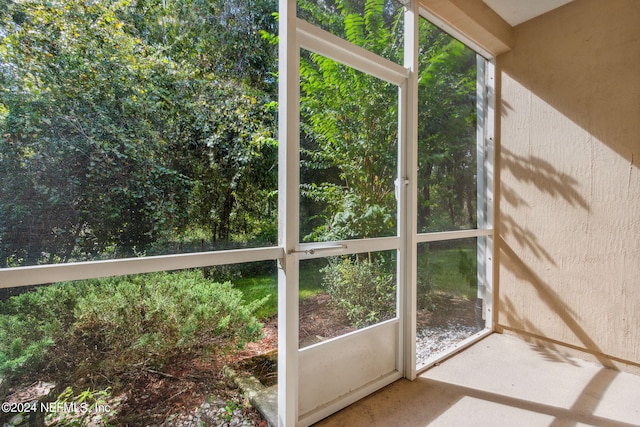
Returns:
(517, 11)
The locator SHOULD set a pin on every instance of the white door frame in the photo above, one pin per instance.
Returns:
(296, 34)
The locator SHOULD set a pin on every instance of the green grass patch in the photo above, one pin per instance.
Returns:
(258, 287)
(450, 269)
(311, 277)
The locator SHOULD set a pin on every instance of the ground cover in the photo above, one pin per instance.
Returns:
(154, 393)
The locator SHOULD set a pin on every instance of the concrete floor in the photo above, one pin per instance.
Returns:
(503, 381)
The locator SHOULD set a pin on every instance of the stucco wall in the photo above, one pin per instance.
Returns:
(568, 196)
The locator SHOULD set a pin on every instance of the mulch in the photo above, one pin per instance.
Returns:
(154, 395)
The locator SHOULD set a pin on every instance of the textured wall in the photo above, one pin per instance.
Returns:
(568, 179)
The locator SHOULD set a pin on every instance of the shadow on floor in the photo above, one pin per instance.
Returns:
(502, 381)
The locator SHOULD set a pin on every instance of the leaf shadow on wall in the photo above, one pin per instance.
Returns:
(535, 172)
(588, 399)
(545, 178)
(541, 174)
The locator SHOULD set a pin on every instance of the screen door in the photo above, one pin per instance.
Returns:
(348, 250)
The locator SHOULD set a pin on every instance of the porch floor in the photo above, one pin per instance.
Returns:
(503, 381)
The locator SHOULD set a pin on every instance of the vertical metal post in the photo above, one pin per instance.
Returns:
(408, 202)
(481, 177)
(490, 118)
(288, 195)
(485, 169)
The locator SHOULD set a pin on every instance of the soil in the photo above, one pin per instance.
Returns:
(152, 396)
(442, 308)
(194, 381)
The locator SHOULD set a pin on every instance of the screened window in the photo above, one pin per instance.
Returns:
(349, 150)
(447, 129)
(139, 155)
(453, 298)
(128, 129)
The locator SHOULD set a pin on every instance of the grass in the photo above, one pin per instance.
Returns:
(311, 277)
(259, 286)
(445, 271)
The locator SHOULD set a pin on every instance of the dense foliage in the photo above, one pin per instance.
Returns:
(446, 133)
(132, 128)
(104, 327)
(128, 127)
(349, 131)
(350, 145)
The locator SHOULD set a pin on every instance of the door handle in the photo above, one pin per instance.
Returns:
(312, 251)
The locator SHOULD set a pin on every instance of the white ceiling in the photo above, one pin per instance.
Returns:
(517, 11)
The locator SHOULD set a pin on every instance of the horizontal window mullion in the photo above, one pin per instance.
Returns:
(451, 235)
(41, 274)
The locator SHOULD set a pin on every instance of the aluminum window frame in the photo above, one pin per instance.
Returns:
(294, 35)
(485, 107)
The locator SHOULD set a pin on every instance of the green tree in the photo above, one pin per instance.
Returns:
(349, 148)
(220, 37)
(82, 155)
(120, 121)
(446, 132)
(235, 183)
(348, 151)
(349, 140)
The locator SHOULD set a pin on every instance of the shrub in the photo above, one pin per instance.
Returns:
(233, 272)
(150, 319)
(468, 268)
(365, 288)
(32, 322)
(89, 407)
(110, 325)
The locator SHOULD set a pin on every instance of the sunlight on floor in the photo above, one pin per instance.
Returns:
(503, 381)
